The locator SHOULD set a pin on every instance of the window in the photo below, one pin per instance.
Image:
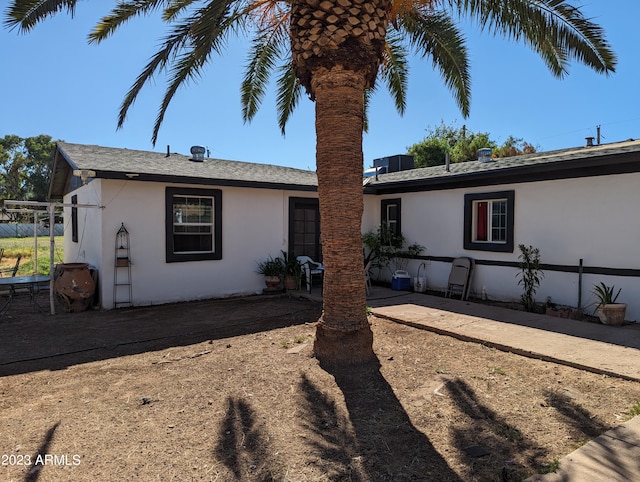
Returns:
(390, 218)
(488, 221)
(193, 224)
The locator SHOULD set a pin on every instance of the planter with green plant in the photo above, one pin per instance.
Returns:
(609, 312)
(292, 271)
(530, 275)
(272, 269)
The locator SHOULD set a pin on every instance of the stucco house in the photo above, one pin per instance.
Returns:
(197, 228)
(573, 204)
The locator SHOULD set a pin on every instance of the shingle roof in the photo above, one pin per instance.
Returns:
(605, 157)
(110, 162)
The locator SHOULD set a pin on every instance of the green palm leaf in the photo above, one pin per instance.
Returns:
(289, 91)
(26, 14)
(394, 70)
(121, 14)
(433, 34)
(263, 54)
(554, 29)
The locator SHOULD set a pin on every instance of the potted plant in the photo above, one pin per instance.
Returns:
(609, 312)
(272, 269)
(292, 271)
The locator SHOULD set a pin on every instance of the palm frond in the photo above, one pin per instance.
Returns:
(26, 14)
(434, 35)
(263, 54)
(207, 33)
(289, 92)
(122, 13)
(555, 29)
(365, 111)
(175, 9)
(186, 49)
(394, 70)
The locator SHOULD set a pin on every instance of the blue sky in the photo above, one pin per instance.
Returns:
(54, 83)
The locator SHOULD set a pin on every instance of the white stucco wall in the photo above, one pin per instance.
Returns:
(596, 219)
(254, 225)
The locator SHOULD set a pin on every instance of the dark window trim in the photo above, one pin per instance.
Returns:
(384, 203)
(468, 221)
(74, 219)
(216, 194)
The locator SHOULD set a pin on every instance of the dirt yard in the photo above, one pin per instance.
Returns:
(229, 391)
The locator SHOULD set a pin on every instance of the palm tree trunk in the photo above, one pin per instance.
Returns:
(343, 335)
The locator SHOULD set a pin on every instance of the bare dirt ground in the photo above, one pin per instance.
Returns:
(229, 391)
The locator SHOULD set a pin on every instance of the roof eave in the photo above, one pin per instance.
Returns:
(610, 164)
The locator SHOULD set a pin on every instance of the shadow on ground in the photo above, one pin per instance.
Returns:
(243, 444)
(376, 441)
(34, 341)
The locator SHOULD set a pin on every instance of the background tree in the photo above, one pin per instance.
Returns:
(25, 165)
(336, 50)
(514, 146)
(462, 145)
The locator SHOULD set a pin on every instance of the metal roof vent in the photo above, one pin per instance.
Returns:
(484, 155)
(197, 153)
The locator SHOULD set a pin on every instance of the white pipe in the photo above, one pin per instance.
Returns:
(52, 247)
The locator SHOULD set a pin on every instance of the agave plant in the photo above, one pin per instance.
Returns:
(605, 294)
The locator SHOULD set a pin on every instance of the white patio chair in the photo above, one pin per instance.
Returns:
(310, 268)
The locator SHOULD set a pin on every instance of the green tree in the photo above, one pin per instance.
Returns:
(514, 146)
(25, 165)
(336, 50)
(462, 145)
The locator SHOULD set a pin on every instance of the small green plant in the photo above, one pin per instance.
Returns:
(509, 432)
(498, 370)
(550, 467)
(530, 275)
(290, 265)
(271, 267)
(633, 411)
(605, 294)
(385, 249)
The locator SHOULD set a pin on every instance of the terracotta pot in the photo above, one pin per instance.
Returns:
(272, 281)
(290, 283)
(612, 314)
(74, 287)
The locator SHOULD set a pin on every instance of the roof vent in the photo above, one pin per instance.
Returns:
(589, 141)
(197, 153)
(484, 155)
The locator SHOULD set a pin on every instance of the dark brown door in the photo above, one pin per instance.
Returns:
(304, 228)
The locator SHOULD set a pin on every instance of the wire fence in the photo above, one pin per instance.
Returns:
(23, 230)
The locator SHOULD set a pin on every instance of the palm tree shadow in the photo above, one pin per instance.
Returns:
(376, 440)
(34, 472)
(243, 444)
(579, 420)
(491, 435)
